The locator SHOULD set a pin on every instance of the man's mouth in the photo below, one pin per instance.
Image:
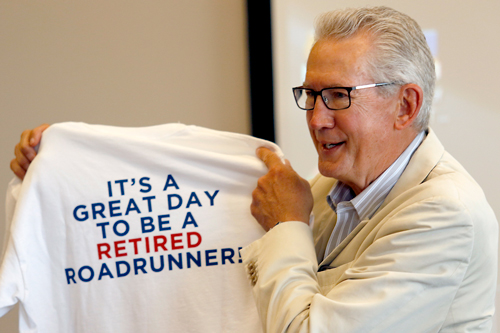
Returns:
(332, 145)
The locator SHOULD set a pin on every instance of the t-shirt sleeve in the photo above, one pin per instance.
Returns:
(10, 270)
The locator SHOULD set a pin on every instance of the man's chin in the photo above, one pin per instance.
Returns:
(328, 170)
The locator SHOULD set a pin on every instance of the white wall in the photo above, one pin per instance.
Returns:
(125, 63)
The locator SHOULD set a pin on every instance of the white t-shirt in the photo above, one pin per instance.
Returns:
(133, 230)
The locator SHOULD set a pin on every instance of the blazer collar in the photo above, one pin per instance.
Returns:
(423, 161)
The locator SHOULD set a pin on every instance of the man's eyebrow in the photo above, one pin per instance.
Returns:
(335, 85)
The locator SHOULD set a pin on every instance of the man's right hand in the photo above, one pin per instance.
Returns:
(281, 195)
(25, 150)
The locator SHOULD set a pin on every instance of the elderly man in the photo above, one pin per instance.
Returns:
(401, 238)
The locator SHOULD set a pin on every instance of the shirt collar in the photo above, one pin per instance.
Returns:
(369, 200)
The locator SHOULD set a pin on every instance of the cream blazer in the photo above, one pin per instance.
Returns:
(425, 262)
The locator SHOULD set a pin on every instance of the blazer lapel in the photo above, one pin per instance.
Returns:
(324, 217)
(343, 249)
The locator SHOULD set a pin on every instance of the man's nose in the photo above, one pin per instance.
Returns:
(321, 116)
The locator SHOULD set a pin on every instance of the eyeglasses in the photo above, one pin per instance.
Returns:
(336, 98)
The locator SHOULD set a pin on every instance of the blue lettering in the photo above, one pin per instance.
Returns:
(84, 214)
(171, 259)
(139, 264)
(70, 275)
(143, 182)
(112, 208)
(162, 222)
(103, 225)
(121, 182)
(225, 257)
(197, 260)
(179, 201)
(105, 271)
(132, 206)
(149, 202)
(189, 220)
(110, 191)
(209, 257)
(211, 197)
(193, 199)
(97, 208)
(119, 273)
(115, 228)
(147, 224)
(170, 182)
(162, 264)
(80, 274)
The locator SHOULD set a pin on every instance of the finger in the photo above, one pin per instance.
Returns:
(18, 171)
(24, 148)
(21, 160)
(29, 139)
(36, 134)
(269, 157)
(25, 151)
(25, 137)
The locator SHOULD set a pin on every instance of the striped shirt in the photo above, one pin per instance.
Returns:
(352, 209)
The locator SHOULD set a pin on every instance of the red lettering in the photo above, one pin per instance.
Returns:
(105, 251)
(175, 241)
(119, 248)
(158, 244)
(189, 241)
(135, 241)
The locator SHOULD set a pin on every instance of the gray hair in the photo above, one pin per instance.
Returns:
(401, 51)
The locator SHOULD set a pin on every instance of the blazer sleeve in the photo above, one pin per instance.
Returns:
(404, 280)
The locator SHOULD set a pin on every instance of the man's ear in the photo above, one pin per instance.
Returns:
(410, 102)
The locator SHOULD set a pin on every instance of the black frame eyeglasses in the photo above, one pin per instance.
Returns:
(335, 98)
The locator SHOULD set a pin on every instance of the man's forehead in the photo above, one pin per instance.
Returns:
(334, 50)
(338, 62)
